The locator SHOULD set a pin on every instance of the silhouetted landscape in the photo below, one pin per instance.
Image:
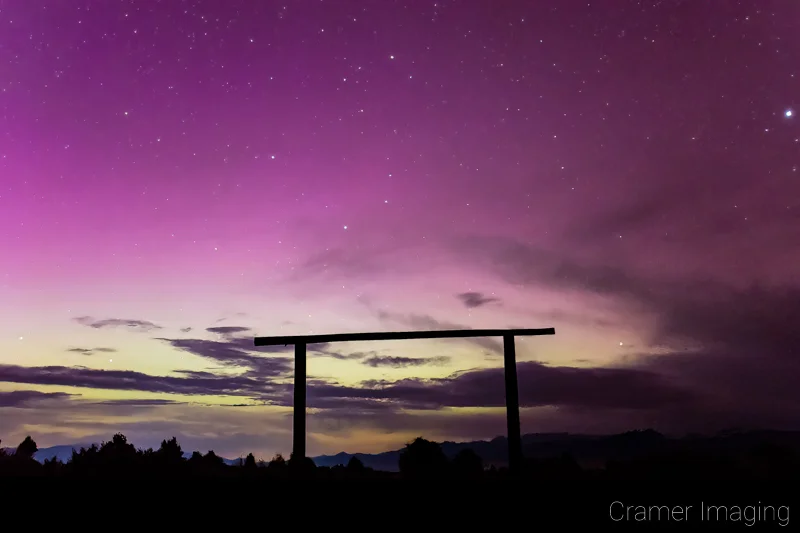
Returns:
(636, 455)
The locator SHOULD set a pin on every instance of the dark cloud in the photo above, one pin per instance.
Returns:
(145, 402)
(475, 299)
(24, 398)
(236, 353)
(91, 351)
(737, 345)
(403, 362)
(228, 330)
(140, 325)
(208, 384)
(186, 330)
(741, 345)
(539, 385)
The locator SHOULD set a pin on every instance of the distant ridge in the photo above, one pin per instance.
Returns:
(591, 451)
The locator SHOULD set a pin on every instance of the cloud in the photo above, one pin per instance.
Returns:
(342, 262)
(140, 325)
(236, 353)
(726, 355)
(341, 355)
(91, 351)
(475, 299)
(735, 344)
(539, 385)
(567, 317)
(227, 330)
(186, 330)
(404, 362)
(185, 384)
(145, 402)
(24, 398)
(426, 322)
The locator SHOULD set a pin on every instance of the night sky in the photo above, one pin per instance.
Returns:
(177, 177)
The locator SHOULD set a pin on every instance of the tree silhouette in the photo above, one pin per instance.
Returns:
(26, 448)
(196, 459)
(422, 458)
(355, 466)
(170, 452)
(754, 458)
(250, 462)
(300, 466)
(212, 460)
(467, 463)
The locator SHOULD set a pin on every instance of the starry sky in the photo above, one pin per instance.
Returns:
(177, 177)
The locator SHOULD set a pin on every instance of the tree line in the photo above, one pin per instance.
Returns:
(421, 458)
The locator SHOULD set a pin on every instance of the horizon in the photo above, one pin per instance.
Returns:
(626, 175)
(727, 433)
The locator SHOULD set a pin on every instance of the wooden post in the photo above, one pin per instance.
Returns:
(512, 405)
(299, 430)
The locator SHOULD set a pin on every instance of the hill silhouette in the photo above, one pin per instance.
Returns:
(639, 455)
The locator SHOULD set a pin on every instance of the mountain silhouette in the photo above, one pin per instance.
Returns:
(590, 451)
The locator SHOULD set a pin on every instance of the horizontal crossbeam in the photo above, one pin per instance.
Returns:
(399, 335)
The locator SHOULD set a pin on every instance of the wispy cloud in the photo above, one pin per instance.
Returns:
(128, 380)
(91, 351)
(145, 402)
(130, 323)
(404, 362)
(227, 330)
(342, 356)
(28, 398)
(237, 353)
(472, 300)
(426, 322)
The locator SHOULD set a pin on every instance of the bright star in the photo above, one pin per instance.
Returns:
(345, 227)
(788, 113)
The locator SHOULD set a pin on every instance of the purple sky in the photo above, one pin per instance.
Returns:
(177, 177)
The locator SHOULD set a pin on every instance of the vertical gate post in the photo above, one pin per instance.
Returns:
(512, 405)
(299, 417)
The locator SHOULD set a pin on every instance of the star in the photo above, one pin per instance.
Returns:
(788, 113)
(345, 227)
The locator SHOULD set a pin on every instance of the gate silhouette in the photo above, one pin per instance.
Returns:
(300, 343)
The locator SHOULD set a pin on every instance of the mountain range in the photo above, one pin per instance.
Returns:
(588, 450)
